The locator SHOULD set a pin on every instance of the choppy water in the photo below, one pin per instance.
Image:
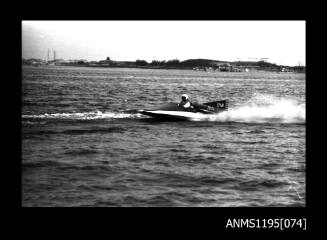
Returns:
(82, 145)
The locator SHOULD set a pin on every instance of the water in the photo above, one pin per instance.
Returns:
(83, 145)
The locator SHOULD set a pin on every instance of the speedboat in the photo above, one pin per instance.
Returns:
(172, 111)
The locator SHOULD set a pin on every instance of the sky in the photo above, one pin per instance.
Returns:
(282, 42)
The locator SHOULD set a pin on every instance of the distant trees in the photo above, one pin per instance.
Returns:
(265, 64)
(158, 63)
(141, 63)
(177, 63)
(169, 63)
(174, 62)
(197, 63)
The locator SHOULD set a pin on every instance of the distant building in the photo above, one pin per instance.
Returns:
(285, 69)
(124, 63)
(33, 62)
(224, 67)
(106, 62)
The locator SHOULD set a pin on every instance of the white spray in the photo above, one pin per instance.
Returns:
(263, 108)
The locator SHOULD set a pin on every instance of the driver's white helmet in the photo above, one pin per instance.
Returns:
(184, 97)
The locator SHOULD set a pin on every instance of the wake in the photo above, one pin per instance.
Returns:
(97, 115)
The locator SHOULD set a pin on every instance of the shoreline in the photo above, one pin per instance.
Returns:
(250, 69)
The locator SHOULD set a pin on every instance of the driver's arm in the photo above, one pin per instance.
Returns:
(188, 104)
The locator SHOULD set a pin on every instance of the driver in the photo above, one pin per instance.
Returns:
(185, 103)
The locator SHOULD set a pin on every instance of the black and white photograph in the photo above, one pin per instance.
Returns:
(163, 113)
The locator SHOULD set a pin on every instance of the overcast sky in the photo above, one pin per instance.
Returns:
(283, 42)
